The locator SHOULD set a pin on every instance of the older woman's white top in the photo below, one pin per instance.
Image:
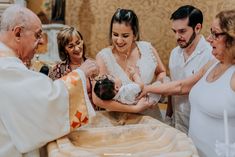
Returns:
(208, 101)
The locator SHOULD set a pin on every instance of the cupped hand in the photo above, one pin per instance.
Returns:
(90, 68)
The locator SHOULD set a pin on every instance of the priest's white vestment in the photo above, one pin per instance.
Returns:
(35, 110)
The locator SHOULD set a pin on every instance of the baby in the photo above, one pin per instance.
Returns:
(108, 87)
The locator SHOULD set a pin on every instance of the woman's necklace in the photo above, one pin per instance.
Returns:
(123, 61)
(123, 58)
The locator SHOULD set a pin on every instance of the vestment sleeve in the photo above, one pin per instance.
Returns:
(80, 106)
(36, 110)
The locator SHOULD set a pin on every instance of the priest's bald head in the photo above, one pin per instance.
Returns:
(21, 30)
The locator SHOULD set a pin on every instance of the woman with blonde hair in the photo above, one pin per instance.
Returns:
(71, 49)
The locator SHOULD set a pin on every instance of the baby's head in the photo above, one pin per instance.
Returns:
(106, 87)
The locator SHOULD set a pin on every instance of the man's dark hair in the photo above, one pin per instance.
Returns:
(105, 89)
(194, 15)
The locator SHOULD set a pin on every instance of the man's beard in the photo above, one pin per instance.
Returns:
(193, 36)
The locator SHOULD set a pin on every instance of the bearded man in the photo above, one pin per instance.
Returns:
(192, 52)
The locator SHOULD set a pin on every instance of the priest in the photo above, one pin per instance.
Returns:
(33, 109)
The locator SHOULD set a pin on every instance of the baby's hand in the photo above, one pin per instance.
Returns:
(142, 94)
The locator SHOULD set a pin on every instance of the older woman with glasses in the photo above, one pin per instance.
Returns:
(125, 51)
(71, 51)
(211, 90)
(72, 54)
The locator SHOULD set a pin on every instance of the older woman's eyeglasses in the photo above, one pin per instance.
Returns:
(216, 36)
(77, 44)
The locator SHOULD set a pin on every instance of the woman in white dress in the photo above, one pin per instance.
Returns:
(212, 89)
(126, 50)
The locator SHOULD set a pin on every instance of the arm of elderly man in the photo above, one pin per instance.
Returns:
(35, 110)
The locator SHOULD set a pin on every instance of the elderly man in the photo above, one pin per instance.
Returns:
(35, 110)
